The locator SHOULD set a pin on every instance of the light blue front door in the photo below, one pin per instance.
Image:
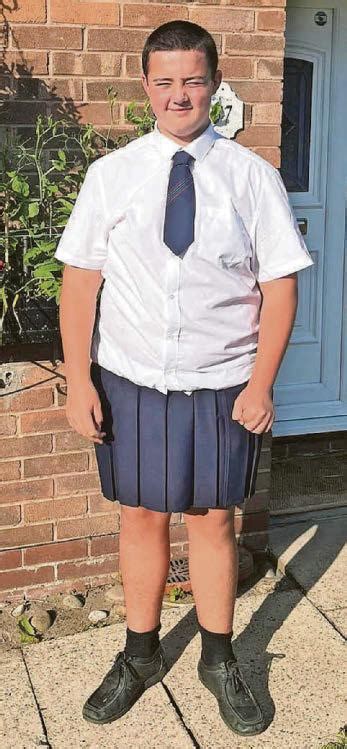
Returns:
(310, 393)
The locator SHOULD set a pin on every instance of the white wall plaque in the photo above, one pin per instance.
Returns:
(233, 108)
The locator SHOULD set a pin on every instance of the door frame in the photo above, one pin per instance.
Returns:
(336, 224)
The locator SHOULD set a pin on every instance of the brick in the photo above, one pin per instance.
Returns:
(93, 465)
(41, 376)
(270, 20)
(53, 464)
(254, 91)
(257, 503)
(46, 37)
(90, 63)
(23, 446)
(263, 479)
(77, 482)
(264, 113)
(38, 592)
(71, 570)
(98, 503)
(28, 11)
(8, 425)
(28, 400)
(64, 88)
(55, 509)
(21, 113)
(9, 560)
(97, 13)
(56, 552)
(246, 44)
(116, 40)
(15, 491)
(142, 14)
(10, 515)
(126, 90)
(82, 527)
(97, 113)
(222, 19)
(36, 63)
(25, 535)
(133, 66)
(267, 135)
(178, 533)
(70, 441)
(265, 458)
(26, 577)
(236, 67)
(272, 155)
(104, 545)
(268, 68)
(10, 470)
(43, 421)
(175, 518)
(251, 522)
(255, 541)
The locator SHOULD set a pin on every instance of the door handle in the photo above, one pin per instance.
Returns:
(302, 223)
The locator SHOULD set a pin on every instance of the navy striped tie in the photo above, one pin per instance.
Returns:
(180, 205)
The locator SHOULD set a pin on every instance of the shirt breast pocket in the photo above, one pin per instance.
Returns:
(225, 236)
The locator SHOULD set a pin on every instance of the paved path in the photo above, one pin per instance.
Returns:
(288, 639)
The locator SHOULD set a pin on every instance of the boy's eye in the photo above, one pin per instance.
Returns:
(194, 83)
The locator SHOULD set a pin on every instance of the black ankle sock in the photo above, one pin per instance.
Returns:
(143, 644)
(216, 647)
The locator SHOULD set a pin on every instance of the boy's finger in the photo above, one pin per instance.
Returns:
(237, 410)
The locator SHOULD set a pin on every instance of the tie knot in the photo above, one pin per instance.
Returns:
(182, 157)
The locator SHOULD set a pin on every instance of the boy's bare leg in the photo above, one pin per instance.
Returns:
(144, 559)
(213, 566)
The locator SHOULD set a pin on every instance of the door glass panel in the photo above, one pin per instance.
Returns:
(296, 124)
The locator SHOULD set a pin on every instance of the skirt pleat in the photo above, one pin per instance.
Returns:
(173, 452)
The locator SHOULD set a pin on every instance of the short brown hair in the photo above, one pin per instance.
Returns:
(181, 35)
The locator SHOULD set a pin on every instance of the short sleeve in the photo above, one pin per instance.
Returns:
(279, 248)
(84, 240)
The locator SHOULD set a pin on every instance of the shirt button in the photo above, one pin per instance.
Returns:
(171, 296)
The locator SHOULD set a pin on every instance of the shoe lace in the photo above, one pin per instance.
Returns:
(236, 676)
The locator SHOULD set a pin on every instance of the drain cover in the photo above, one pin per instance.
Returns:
(178, 574)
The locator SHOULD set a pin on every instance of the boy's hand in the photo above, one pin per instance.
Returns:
(83, 411)
(254, 409)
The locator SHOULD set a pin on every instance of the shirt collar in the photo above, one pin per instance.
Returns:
(197, 147)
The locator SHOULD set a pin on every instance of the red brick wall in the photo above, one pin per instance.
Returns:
(67, 54)
(57, 531)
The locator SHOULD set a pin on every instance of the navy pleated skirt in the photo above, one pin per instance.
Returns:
(175, 451)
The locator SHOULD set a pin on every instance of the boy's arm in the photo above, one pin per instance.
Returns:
(253, 407)
(77, 315)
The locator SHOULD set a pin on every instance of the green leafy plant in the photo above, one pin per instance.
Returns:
(28, 633)
(175, 593)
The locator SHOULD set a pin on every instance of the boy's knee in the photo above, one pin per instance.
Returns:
(141, 517)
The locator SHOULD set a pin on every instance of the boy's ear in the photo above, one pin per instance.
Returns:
(144, 82)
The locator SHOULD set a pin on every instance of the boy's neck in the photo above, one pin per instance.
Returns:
(188, 139)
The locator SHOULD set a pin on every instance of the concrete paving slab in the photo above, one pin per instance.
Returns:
(20, 724)
(65, 672)
(315, 553)
(292, 659)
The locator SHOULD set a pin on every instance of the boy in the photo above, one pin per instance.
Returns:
(193, 234)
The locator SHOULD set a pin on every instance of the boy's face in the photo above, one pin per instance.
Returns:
(179, 87)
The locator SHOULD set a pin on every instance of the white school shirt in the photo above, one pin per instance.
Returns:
(181, 322)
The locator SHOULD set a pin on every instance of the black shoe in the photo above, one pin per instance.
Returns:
(237, 705)
(124, 683)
